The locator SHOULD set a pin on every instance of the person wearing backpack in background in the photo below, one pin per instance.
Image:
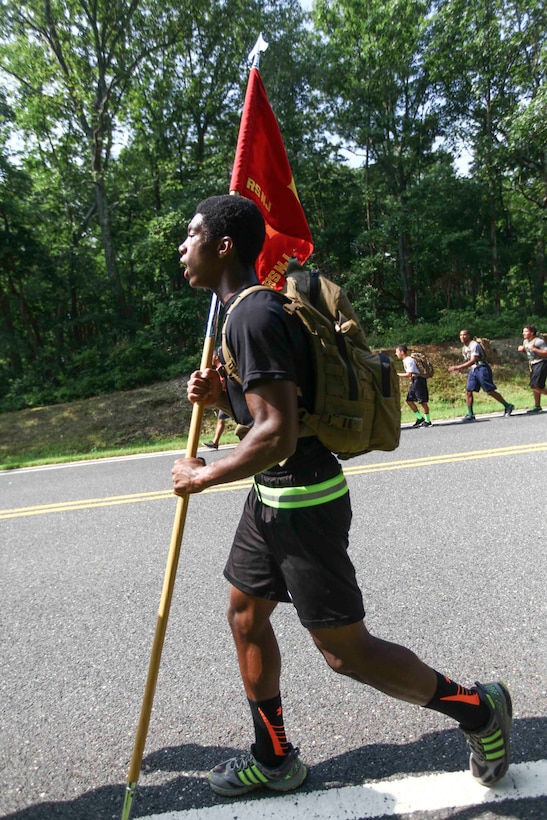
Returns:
(536, 351)
(222, 417)
(291, 544)
(480, 375)
(418, 390)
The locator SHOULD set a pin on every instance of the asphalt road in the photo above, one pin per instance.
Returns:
(448, 539)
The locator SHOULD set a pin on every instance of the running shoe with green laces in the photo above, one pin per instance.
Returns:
(243, 773)
(490, 747)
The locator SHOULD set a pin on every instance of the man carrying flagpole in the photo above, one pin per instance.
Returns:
(291, 544)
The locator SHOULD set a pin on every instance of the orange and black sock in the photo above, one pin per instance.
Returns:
(270, 741)
(464, 705)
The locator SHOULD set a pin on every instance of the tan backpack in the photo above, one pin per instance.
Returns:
(490, 353)
(357, 395)
(424, 365)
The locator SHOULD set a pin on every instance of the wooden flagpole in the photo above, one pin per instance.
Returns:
(170, 574)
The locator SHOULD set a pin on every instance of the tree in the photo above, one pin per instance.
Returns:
(380, 100)
(128, 119)
(73, 63)
(489, 65)
(525, 135)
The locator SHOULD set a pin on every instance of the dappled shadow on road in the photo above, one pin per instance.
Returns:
(442, 751)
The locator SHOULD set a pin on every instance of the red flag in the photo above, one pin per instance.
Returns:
(262, 173)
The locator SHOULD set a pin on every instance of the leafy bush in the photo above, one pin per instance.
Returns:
(170, 345)
(399, 330)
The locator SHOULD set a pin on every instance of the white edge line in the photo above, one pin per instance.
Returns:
(108, 460)
(381, 799)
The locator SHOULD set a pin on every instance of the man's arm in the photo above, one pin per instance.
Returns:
(538, 351)
(272, 438)
(454, 367)
(473, 359)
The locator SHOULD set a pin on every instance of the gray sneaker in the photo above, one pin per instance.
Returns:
(242, 774)
(491, 747)
(467, 419)
(508, 410)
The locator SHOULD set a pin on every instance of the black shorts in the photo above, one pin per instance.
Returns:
(418, 390)
(298, 555)
(538, 374)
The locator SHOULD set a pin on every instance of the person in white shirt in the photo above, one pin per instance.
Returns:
(418, 390)
(536, 351)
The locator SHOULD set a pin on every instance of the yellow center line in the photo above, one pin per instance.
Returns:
(245, 484)
(447, 458)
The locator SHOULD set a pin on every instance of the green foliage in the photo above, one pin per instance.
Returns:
(399, 330)
(169, 345)
(115, 120)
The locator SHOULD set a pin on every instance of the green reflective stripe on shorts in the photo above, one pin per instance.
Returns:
(309, 495)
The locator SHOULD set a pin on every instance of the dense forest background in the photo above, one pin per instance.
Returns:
(118, 116)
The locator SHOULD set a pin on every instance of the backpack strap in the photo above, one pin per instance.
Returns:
(230, 365)
(314, 287)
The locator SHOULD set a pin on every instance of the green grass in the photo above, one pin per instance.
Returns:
(157, 417)
(440, 410)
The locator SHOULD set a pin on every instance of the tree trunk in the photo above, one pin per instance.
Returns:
(10, 334)
(538, 281)
(494, 246)
(410, 297)
(108, 245)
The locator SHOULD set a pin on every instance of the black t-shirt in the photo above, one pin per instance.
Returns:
(268, 344)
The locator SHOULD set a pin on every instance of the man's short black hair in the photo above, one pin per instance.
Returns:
(237, 217)
(404, 348)
(532, 328)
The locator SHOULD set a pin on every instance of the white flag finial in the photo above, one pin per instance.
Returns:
(259, 46)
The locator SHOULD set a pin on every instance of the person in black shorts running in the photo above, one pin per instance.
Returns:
(536, 352)
(222, 417)
(291, 544)
(418, 391)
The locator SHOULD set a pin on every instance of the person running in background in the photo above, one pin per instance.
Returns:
(480, 375)
(418, 390)
(536, 351)
(221, 415)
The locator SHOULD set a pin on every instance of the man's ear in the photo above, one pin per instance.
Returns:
(225, 245)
